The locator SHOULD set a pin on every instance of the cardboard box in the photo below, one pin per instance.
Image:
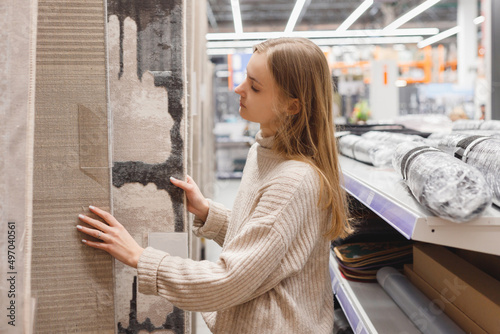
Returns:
(453, 312)
(488, 263)
(474, 292)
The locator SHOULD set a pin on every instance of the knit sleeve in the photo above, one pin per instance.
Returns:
(250, 264)
(215, 226)
(206, 286)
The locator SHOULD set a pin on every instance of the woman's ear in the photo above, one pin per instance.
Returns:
(293, 107)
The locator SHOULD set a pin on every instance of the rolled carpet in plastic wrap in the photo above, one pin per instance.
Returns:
(486, 133)
(434, 138)
(374, 152)
(424, 314)
(478, 151)
(392, 137)
(446, 186)
(470, 124)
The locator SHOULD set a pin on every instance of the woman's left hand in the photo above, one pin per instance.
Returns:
(115, 238)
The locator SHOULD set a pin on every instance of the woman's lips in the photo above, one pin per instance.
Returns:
(242, 105)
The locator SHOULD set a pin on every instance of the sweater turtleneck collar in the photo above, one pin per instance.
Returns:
(265, 142)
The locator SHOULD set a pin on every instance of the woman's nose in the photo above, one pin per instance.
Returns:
(239, 89)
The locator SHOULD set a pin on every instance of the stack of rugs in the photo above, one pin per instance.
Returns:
(372, 245)
(360, 261)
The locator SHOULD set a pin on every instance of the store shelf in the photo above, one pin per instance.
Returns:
(368, 307)
(384, 192)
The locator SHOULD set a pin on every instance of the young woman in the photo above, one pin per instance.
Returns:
(272, 275)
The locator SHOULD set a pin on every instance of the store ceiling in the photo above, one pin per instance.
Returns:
(273, 15)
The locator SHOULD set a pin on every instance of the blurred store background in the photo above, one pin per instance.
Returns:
(423, 64)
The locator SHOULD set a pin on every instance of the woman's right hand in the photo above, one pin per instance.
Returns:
(197, 204)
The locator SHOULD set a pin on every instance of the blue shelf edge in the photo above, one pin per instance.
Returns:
(349, 311)
(402, 220)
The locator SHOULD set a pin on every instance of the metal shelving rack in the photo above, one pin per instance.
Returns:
(381, 190)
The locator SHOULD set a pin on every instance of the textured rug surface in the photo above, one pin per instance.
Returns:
(17, 35)
(72, 283)
(118, 156)
(147, 97)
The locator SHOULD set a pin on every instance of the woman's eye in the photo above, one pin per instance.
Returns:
(253, 88)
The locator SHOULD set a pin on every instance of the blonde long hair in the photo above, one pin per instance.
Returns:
(301, 72)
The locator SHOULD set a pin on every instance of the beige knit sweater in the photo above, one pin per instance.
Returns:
(272, 275)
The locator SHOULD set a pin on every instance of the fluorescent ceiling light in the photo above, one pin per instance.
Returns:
(355, 15)
(408, 32)
(245, 35)
(238, 25)
(478, 20)
(438, 37)
(324, 41)
(368, 40)
(323, 34)
(232, 44)
(411, 14)
(292, 21)
(210, 16)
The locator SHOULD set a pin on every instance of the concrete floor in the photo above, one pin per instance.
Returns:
(224, 192)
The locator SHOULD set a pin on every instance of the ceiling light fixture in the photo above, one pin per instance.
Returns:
(323, 42)
(292, 21)
(238, 25)
(438, 37)
(368, 40)
(446, 33)
(211, 16)
(355, 15)
(323, 34)
(478, 20)
(411, 14)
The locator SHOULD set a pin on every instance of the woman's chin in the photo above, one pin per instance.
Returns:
(242, 114)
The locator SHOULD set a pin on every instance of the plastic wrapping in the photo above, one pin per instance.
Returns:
(426, 316)
(446, 186)
(374, 152)
(434, 138)
(425, 122)
(467, 124)
(487, 133)
(392, 137)
(478, 151)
